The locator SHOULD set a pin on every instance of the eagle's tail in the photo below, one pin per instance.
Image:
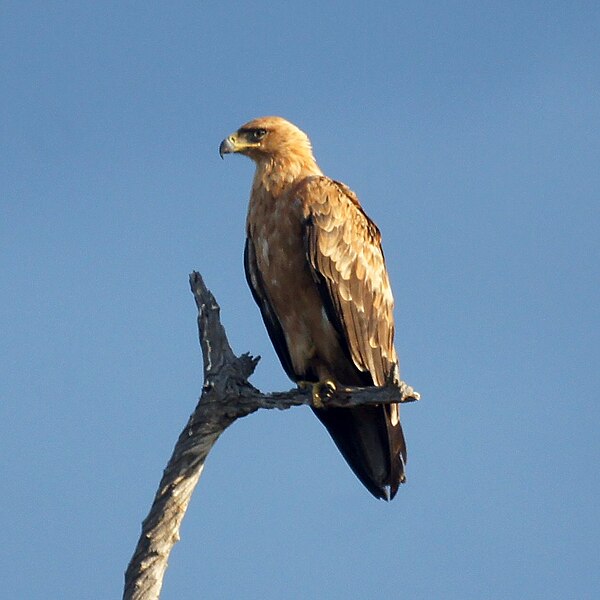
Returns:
(371, 440)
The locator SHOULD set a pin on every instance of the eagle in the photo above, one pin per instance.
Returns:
(315, 266)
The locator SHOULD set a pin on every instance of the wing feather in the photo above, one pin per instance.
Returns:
(344, 252)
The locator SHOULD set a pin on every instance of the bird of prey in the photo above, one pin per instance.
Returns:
(315, 266)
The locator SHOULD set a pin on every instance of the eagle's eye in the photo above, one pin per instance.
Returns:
(258, 134)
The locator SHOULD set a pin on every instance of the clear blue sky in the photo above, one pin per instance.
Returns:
(471, 133)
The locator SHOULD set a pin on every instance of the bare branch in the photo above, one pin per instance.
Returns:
(226, 396)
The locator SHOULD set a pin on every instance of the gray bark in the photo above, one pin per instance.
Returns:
(226, 396)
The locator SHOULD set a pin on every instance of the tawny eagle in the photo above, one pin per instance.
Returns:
(314, 263)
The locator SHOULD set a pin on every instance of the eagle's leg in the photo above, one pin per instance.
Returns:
(323, 391)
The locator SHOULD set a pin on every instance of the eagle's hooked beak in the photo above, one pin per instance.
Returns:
(227, 146)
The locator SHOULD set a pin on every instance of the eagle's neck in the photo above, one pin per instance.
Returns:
(277, 173)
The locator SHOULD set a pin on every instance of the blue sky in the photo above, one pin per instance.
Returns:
(470, 132)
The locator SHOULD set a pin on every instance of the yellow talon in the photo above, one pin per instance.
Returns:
(324, 390)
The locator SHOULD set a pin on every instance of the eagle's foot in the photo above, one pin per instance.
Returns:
(323, 391)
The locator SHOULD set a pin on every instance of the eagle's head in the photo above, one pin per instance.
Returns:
(268, 138)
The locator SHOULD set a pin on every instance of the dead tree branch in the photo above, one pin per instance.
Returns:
(226, 396)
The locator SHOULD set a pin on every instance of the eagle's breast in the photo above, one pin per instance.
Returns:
(275, 226)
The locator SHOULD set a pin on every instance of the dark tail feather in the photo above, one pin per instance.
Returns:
(372, 444)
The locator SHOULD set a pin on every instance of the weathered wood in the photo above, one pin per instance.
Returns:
(226, 396)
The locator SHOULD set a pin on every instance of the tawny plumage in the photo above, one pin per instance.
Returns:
(316, 269)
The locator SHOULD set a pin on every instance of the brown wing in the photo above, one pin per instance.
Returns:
(344, 251)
